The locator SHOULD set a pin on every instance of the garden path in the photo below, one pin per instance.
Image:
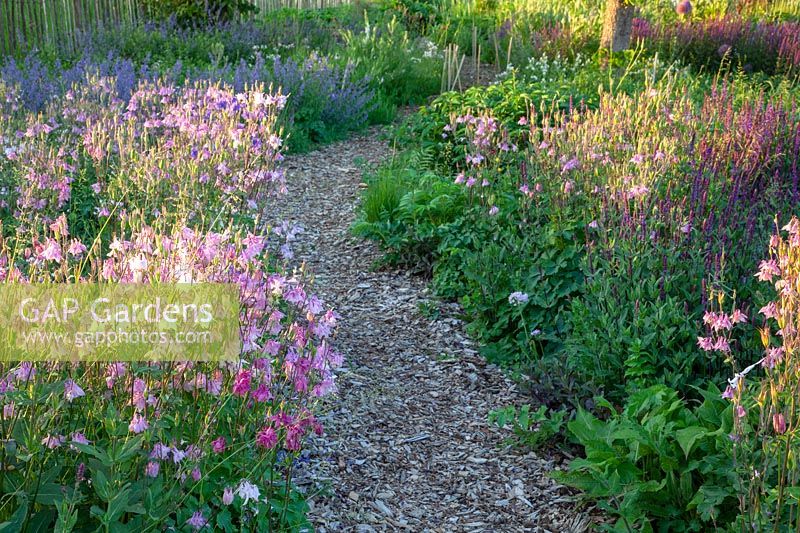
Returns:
(407, 443)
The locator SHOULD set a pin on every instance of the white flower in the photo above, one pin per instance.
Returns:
(517, 298)
(248, 491)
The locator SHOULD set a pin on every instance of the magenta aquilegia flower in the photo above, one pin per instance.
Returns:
(517, 298)
(267, 438)
(218, 445)
(241, 384)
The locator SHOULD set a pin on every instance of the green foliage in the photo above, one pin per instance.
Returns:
(660, 464)
(531, 429)
(189, 12)
(405, 71)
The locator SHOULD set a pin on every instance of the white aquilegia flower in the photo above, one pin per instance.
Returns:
(517, 298)
(248, 491)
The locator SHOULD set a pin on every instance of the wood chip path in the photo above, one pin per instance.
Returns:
(407, 444)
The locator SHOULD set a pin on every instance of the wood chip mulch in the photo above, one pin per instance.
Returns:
(407, 444)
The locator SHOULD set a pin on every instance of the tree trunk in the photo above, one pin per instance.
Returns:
(617, 25)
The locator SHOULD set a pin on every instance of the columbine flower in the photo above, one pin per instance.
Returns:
(572, 164)
(768, 269)
(151, 469)
(72, 390)
(517, 298)
(247, 491)
(138, 423)
(79, 438)
(721, 345)
(773, 357)
(494, 210)
(51, 252)
(737, 317)
(267, 438)
(53, 441)
(705, 343)
(227, 496)
(197, 521)
(721, 322)
(728, 394)
(779, 423)
(241, 384)
(770, 310)
(218, 445)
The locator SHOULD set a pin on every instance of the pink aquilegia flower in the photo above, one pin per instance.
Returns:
(737, 317)
(770, 310)
(79, 438)
(767, 270)
(227, 496)
(138, 423)
(151, 469)
(705, 343)
(721, 345)
(779, 423)
(729, 392)
(51, 252)
(72, 390)
(197, 521)
(53, 441)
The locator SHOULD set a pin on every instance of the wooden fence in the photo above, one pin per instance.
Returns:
(57, 23)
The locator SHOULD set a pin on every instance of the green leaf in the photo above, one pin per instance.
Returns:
(17, 520)
(687, 438)
(50, 494)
